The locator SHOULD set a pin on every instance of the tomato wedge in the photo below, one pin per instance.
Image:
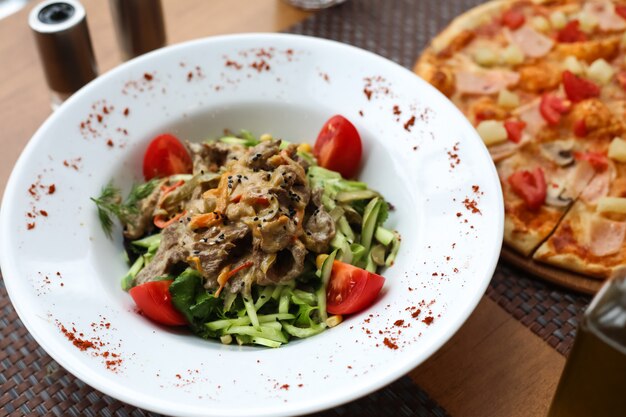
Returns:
(597, 160)
(530, 186)
(552, 107)
(577, 88)
(514, 130)
(154, 300)
(166, 156)
(513, 19)
(338, 146)
(571, 33)
(351, 289)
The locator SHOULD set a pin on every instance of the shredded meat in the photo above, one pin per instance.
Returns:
(261, 214)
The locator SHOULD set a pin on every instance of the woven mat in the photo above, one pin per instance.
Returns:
(34, 384)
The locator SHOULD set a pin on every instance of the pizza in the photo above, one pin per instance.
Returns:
(544, 83)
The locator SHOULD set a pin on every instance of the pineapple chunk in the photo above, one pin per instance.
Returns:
(587, 22)
(512, 55)
(617, 150)
(492, 132)
(572, 64)
(611, 205)
(540, 23)
(600, 71)
(485, 57)
(558, 19)
(508, 99)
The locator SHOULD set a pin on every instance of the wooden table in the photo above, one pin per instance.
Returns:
(494, 366)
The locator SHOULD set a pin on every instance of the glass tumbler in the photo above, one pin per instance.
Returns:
(593, 382)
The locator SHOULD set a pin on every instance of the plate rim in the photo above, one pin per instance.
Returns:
(102, 384)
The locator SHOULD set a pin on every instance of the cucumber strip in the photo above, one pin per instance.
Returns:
(247, 135)
(265, 342)
(276, 325)
(336, 213)
(358, 253)
(304, 332)
(325, 272)
(229, 299)
(263, 332)
(370, 265)
(225, 323)
(384, 236)
(349, 196)
(244, 340)
(232, 140)
(395, 246)
(147, 242)
(345, 228)
(283, 302)
(276, 293)
(254, 320)
(264, 297)
(310, 159)
(268, 318)
(284, 144)
(308, 297)
(370, 217)
(128, 281)
(340, 242)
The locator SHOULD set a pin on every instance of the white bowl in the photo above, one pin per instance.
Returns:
(64, 271)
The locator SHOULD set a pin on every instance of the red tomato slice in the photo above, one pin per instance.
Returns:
(513, 19)
(580, 128)
(598, 160)
(530, 186)
(514, 130)
(351, 289)
(620, 9)
(577, 88)
(552, 107)
(166, 156)
(571, 33)
(338, 146)
(154, 300)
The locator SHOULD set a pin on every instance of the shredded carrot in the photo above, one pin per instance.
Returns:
(161, 222)
(226, 273)
(222, 196)
(236, 199)
(196, 262)
(165, 190)
(205, 220)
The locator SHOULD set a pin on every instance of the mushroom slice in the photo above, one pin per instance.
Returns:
(556, 197)
(559, 152)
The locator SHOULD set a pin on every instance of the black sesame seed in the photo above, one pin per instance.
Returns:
(221, 236)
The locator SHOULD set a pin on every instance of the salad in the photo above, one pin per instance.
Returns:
(253, 241)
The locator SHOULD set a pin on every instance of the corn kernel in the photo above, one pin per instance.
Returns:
(332, 321)
(617, 150)
(508, 99)
(319, 261)
(512, 55)
(305, 147)
(600, 71)
(558, 19)
(265, 137)
(492, 132)
(226, 339)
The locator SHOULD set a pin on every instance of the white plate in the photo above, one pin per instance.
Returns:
(426, 160)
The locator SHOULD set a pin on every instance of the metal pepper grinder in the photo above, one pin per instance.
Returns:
(62, 38)
(139, 26)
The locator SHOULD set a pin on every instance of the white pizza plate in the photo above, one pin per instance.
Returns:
(62, 272)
